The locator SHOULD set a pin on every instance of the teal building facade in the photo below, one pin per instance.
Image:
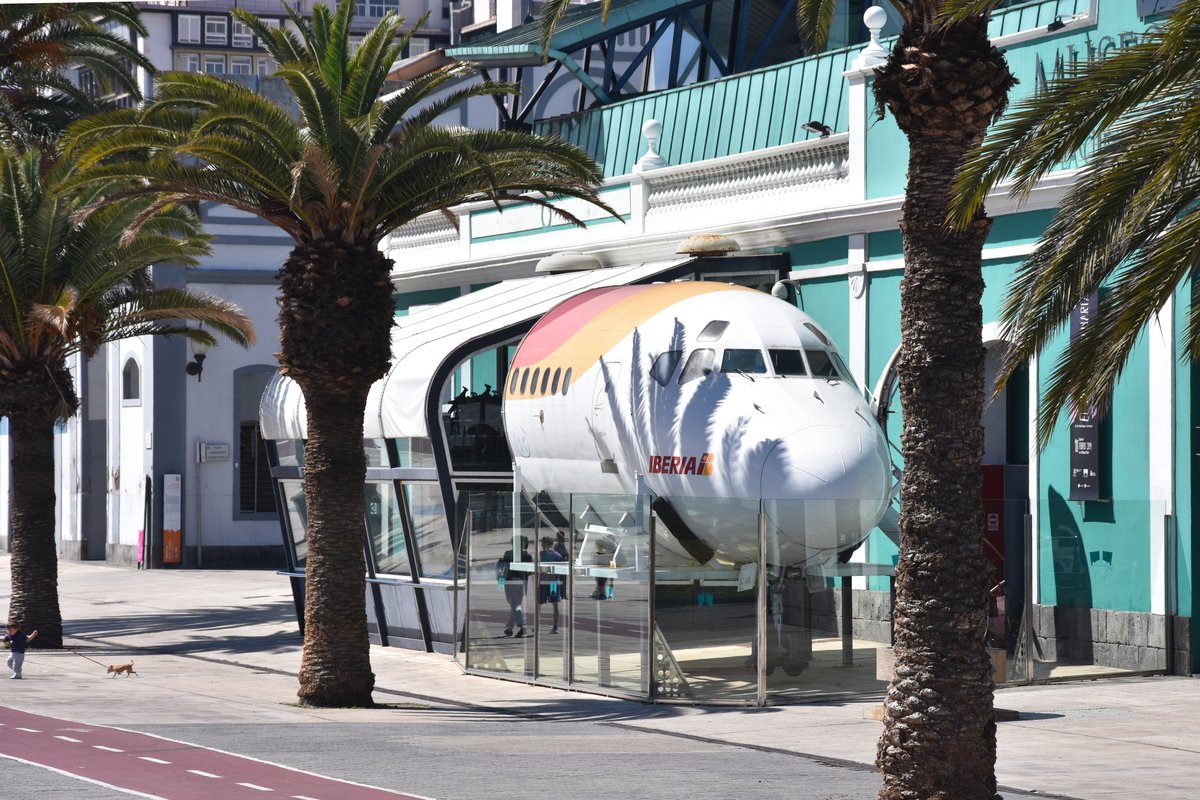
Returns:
(1091, 540)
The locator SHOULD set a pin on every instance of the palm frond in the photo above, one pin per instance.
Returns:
(372, 63)
(552, 13)
(400, 108)
(814, 18)
(1044, 131)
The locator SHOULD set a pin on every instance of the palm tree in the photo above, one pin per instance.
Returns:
(68, 287)
(944, 83)
(1130, 220)
(38, 41)
(350, 167)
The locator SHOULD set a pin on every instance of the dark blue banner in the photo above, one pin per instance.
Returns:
(1147, 8)
(1085, 424)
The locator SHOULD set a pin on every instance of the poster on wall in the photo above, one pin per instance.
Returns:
(172, 519)
(1085, 423)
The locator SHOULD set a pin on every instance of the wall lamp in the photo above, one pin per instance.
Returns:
(817, 127)
(1057, 25)
(196, 365)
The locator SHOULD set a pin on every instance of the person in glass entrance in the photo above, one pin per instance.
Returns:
(514, 583)
(550, 583)
(16, 640)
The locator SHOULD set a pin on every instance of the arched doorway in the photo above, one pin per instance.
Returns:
(1006, 421)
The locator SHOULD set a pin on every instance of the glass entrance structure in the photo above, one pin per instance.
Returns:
(588, 604)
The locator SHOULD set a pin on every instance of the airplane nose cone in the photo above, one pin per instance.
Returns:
(830, 486)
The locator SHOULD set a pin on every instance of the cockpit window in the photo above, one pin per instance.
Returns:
(787, 363)
(748, 361)
(664, 366)
(842, 368)
(699, 364)
(820, 334)
(712, 331)
(822, 365)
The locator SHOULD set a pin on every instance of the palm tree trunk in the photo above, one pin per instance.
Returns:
(34, 565)
(335, 669)
(336, 315)
(939, 738)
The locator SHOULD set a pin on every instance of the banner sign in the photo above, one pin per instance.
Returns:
(1147, 8)
(1085, 424)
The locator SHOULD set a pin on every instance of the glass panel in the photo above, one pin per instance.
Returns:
(376, 452)
(664, 366)
(820, 334)
(475, 432)
(713, 331)
(787, 363)
(699, 364)
(611, 592)
(297, 513)
(842, 368)
(434, 552)
(742, 360)
(829, 611)
(289, 453)
(386, 530)
(821, 364)
(414, 453)
(553, 605)
(499, 636)
(1091, 612)
(706, 608)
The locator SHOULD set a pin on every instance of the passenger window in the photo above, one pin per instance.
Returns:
(533, 381)
(787, 363)
(699, 364)
(554, 383)
(712, 331)
(739, 360)
(512, 384)
(821, 364)
(545, 380)
(524, 379)
(664, 366)
(566, 379)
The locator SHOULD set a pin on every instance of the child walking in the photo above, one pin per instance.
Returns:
(17, 640)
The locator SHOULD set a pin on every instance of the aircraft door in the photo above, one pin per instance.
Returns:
(605, 407)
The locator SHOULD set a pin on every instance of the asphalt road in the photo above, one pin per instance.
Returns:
(452, 754)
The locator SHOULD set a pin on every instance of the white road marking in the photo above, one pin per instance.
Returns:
(29, 730)
(153, 760)
(202, 773)
(109, 749)
(67, 739)
(256, 786)
(302, 797)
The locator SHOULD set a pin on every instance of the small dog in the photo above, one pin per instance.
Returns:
(117, 669)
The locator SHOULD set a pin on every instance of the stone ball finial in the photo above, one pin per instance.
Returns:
(875, 18)
(874, 53)
(652, 129)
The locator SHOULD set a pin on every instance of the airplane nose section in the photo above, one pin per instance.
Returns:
(829, 485)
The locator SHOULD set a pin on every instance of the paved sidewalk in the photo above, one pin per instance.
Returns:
(221, 647)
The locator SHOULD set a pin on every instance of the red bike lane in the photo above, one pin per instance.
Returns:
(163, 768)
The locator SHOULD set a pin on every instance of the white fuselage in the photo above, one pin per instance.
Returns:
(720, 397)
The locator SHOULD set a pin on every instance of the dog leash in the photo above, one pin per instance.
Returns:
(76, 652)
